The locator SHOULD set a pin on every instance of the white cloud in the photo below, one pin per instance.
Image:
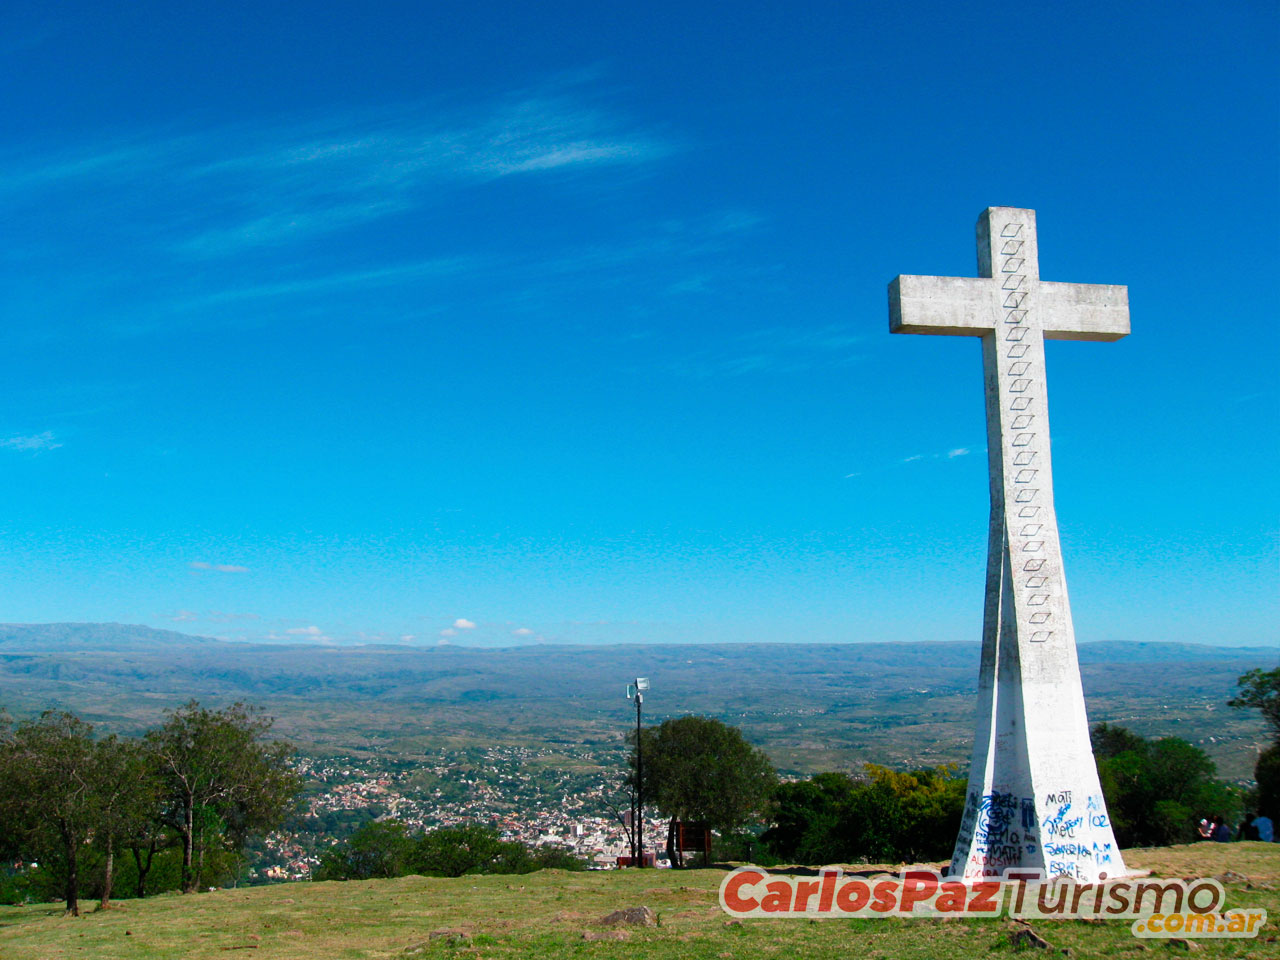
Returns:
(913, 458)
(218, 567)
(522, 632)
(184, 616)
(39, 441)
(311, 631)
(448, 632)
(462, 623)
(958, 452)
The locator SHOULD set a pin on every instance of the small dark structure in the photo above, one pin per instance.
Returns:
(692, 837)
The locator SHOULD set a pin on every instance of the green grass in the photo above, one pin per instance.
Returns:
(545, 915)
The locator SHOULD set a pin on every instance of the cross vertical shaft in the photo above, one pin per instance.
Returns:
(1033, 799)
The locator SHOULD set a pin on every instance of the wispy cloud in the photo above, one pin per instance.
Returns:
(219, 192)
(775, 349)
(951, 454)
(202, 565)
(33, 443)
(329, 283)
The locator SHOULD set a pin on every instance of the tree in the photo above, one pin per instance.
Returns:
(222, 779)
(1261, 689)
(700, 769)
(1156, 790)
(1267, 773)
(50, 784)
(1110, 740)
(129, 796)
(385, 848)
(884, 816)
(378, 849)
(468, 848)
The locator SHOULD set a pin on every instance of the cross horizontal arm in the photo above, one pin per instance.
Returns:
(971, 307)
(960, 306)
(1083, 311)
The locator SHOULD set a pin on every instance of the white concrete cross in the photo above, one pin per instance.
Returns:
(1033, 800)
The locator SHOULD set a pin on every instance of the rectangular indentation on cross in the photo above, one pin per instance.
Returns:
(1033, 546)
(1041, 616)
(1022, 439)
(1032, 529)
(1015, 299)
(1011, 247)
(1016, 334)
(1028, 512)
(1013, 281)
(1041, 636)
(1012, 265)
(1037, 599)
(1019, 386)
(1025, 494)
(1025, 476)
(1031, 566)
(1024, 456)
(1011, 230)
(1019, 368)
(1022, 421)
(1018, 350)
(1036, 582)
(1020, 403)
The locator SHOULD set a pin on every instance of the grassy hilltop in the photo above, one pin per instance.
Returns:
(550, 914)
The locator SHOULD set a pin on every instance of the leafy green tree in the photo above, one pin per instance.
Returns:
(1267, 773)
(806, 818)
(468, 848)
(1157, 790)
(556, 858)
(701, 769)
(1110, 740)
(1261, 689)
(129, 796)
(223, 780)
(49, 772)
(378, 849)
(385, 848)
(885, 816)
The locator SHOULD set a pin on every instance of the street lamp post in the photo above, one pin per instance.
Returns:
(636, 690)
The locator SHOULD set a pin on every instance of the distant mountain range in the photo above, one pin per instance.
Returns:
(813, 706)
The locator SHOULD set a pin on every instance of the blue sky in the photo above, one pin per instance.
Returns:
(499, 323)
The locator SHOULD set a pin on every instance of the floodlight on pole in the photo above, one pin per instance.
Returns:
(635, 691)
